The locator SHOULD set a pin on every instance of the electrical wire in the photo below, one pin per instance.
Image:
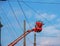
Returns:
(37, 12)
(6, 29)
(23, 13)
(10, 25)
(33, 9)
(25, 18)
(41, 2)
(15, 16)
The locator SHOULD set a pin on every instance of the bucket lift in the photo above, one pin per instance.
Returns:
(38, 28)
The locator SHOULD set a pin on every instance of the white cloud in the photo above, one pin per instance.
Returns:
(45, 41)
(48, 41)
(52, 16)
(51, 30)
(45, 16)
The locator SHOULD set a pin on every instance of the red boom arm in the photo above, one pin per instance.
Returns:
(38, 28)
(19, 38)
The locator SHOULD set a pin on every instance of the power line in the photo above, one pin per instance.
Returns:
(14, 13)
(8, 19)
(10, 25)
(15, 16)
(32, 42)
(36, 12)
(40, 2)
(26, 19)
(24, 16)
(10, 29)
(23, 13)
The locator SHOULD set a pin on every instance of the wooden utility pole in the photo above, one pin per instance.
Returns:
(0, 32)
(24, 32)
(34, 38)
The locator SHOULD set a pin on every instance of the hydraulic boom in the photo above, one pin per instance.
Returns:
(38, 28)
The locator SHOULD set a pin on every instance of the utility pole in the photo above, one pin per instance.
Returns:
(34, 38)
(0, 31)
(24, 32)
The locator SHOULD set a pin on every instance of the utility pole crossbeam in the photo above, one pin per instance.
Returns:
(34, 38)
(24, 32)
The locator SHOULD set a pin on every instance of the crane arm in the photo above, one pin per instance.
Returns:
(19, 38)
(38, 28)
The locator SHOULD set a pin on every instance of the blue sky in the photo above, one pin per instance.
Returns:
(48, 13)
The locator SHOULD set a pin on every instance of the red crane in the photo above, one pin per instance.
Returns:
(38, 28)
